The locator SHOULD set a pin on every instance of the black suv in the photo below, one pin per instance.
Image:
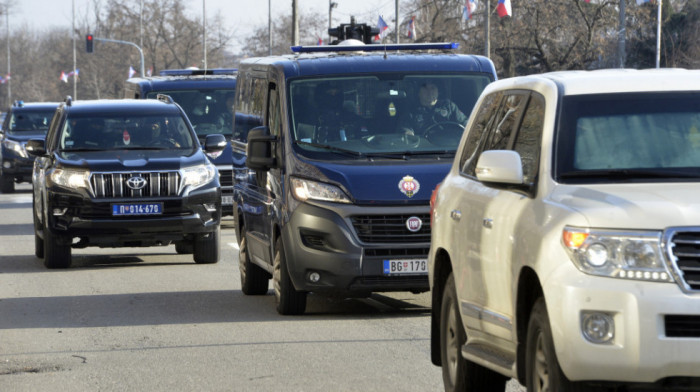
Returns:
(124, 173)
(23, 121)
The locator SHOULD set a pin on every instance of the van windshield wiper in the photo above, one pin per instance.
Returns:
(82, 149)
(331, 148)
(628, 173)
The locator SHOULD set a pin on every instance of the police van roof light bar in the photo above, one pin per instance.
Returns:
(194, 72)
(374, 47)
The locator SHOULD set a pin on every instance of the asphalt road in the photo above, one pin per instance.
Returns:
(148, 319)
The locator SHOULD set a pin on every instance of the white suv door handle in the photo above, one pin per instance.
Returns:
(456, 215)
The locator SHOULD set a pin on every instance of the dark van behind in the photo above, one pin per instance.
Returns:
(335, 156)
(206, 96)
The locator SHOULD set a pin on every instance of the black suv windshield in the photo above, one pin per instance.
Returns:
(210, 110)
(622, 137)
(404, 114)
(30, 120)
(119, 132)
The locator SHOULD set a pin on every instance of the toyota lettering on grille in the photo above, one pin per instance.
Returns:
(136, 182)
(413, 224)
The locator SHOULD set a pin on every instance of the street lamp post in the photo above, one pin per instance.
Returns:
(331, 4)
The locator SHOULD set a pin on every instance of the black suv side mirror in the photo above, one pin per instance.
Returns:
(35, 147)
(214, 143)
(259, 149)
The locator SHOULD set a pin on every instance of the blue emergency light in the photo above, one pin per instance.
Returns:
(374, 47)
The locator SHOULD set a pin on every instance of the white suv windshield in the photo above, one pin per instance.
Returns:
(642, 136)
(382, 114)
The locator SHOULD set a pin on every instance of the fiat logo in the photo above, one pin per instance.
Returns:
(136, 182)
(413, 224)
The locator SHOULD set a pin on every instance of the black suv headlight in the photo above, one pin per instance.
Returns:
(198, 176)
(15, 147)
(71, 178)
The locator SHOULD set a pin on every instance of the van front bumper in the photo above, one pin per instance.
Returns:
(324, 240)
(645, 315)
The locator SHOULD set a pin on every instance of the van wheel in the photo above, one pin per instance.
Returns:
(459, 374)
(38, 241)
(7, 183)
(543, 371)
(184, 247)
(206, 248)
(56, 253)
(254, 280)
(289, 301)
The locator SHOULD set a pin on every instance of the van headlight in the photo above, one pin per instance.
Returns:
(197, 176)
(15, 147)
(70, 178)
(617, 253)
(306, 189)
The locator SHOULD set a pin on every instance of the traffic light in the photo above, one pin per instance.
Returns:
(88, 43)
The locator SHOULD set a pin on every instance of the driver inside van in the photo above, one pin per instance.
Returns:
(431, 111)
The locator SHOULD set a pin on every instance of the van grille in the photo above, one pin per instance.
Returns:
(158, 184)
(685, 255)
(390, 228)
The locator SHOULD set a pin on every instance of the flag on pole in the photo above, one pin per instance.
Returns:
(150, 71)
(469, 8)
(411, 28)
(504, 8)
(64, 77)
(320, 41)
(383, 27)
(132, 71)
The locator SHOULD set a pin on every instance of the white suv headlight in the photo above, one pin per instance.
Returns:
(307, 189)
(617, 253)
(71, 178)
(197, 176)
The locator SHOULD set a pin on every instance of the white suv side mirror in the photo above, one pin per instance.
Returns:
(501, 166)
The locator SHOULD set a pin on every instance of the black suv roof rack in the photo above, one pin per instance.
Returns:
(374, 47)
(193, 72)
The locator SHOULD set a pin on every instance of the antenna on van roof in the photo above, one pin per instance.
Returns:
(359, 31)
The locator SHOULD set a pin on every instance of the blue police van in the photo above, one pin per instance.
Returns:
(207, 98)
(336, 151)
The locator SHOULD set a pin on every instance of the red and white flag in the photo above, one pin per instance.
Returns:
(504, 8)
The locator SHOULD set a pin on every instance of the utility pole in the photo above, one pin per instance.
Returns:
(658, 35)
(9, 75)
(295, 23)
(331, 4)
(396, 25)
(75, 61)
(487, 29)
(621, 50)
(204, 33)
(269, 27)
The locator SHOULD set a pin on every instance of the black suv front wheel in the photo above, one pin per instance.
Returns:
(57, 253)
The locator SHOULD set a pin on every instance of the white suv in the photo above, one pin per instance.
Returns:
(565, 247)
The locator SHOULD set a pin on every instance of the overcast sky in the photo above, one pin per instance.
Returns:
(240, 15)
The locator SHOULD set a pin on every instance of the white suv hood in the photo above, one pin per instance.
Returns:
(653, 206)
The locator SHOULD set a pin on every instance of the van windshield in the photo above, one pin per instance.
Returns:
(210, 110)
(623, 137)
(381, 114)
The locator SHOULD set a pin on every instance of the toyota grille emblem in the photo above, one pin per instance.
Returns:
(413, 224)
(136, 182)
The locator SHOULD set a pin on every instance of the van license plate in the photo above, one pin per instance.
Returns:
(137, 209)
(406, 267)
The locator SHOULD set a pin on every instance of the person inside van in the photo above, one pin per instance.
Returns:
(431, 111)
(336, 122)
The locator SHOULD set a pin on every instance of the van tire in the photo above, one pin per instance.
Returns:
(289, 301)
(541, 359)
(57, 254)
(7, 183)
(207, 248)
(254, 280)
(459, 374)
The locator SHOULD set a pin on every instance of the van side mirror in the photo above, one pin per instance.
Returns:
(259, 149)
(214, 143)
(36, 147)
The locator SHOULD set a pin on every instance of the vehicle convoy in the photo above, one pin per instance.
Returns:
(22, 122)
(565, 248)
(124, 173)
(333, 169)
(207, 98)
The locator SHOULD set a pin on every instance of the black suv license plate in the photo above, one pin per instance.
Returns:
(137, 209)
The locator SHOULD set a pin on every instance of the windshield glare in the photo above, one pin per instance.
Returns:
(372, 114)
(209, 111)
(629, 132)
(35, 121)
(126, 132)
